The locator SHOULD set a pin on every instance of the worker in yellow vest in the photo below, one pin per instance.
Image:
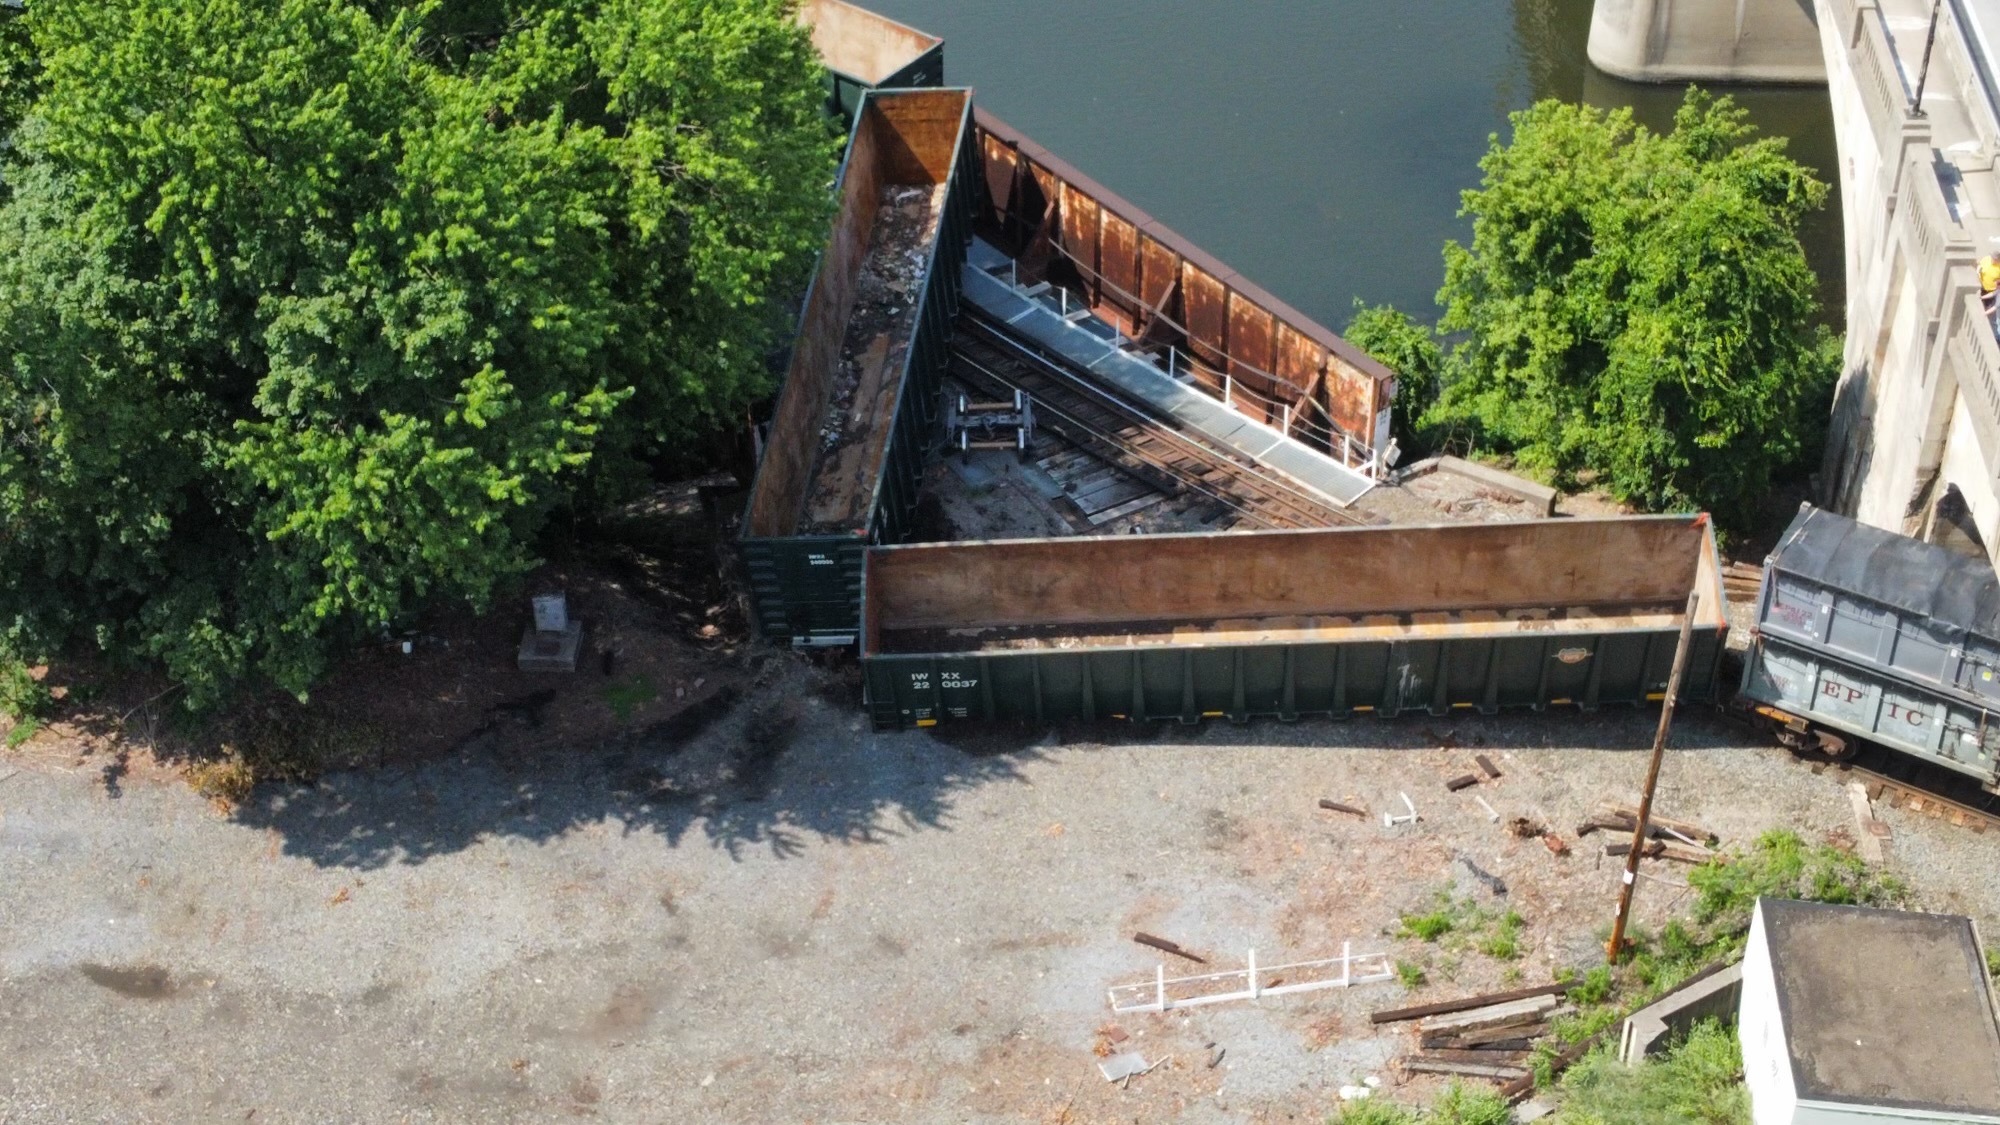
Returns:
(1989, 286)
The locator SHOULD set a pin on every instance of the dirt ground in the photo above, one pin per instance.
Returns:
(776, 914)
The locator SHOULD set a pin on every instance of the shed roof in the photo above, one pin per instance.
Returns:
(1895, 570)
(1884, 1007)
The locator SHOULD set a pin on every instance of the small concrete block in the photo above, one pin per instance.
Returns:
(550, 652)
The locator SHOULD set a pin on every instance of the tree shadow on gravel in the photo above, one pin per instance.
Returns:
(783, 765)
(775, 768)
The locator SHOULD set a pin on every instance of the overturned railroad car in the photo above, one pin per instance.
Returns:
(859, 407)
(865, 51)
(1333, 622)
(1865, 634)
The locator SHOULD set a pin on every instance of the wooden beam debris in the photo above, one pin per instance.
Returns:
(1513, 1013)
(1336, 806)
(1165, 946)
(1630, 816)
(1486, 764)
(1462, 781)
(1467, 1003)
(1425, 1064)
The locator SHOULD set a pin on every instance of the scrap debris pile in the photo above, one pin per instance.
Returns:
(1489, 1036)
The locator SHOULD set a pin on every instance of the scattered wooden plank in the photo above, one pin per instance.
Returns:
(1165, 946)
(1486, 764)
(1513, 1014)
(1125, 509)
(1483, 1057)
(1336, 806)
(1458, 1043)
(1462, 781)
(1872, 833)
(1467, 1003)
(1491, 1036)
(1685, 827)
(1424, 1064)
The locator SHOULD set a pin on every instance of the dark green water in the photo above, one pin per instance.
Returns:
(1317, 146)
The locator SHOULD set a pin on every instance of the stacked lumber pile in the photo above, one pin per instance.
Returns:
(1486, 1036)
(1666, 838)
(1741, 581)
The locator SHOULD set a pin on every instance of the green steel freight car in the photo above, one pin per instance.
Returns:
(1334, 622)
(859, 408)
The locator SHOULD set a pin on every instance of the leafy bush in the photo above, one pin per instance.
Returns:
(1635, 308)
(317, 312)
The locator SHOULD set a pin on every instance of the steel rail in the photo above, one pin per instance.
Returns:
(1257, 495)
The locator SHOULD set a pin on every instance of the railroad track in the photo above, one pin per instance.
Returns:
(1915, 786)
(1125, 436)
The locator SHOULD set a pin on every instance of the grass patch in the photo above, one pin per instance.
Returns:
(24, 728)
(1410, 973)
(1503, 941)
(1458, 1105)
(1697, 1082)
(626, 696)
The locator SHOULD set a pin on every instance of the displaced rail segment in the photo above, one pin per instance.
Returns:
(1863, 634)
(1289, 623)
(1124, 435)
(860, 401)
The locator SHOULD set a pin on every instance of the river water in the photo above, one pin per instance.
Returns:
(1316, 146)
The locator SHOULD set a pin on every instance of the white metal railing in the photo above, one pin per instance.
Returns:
(1163, 992)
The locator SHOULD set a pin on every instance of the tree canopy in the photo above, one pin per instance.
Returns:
(311, 311)
(1636, 306)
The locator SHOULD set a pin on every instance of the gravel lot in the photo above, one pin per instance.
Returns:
(786, 917)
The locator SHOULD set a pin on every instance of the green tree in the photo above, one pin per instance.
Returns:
(1411, 350)
(312, 311)
(1636, 305)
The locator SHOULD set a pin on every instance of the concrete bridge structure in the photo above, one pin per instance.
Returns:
(1914, 443)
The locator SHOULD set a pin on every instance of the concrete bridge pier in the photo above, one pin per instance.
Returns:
(1707, 40)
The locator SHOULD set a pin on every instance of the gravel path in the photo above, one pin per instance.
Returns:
(790, 918)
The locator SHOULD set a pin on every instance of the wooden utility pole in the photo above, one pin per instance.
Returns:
(1616, 948)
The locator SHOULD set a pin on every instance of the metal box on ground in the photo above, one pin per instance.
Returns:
(864, 51)
(1878, 636)
(859, 408)
(1289, 623)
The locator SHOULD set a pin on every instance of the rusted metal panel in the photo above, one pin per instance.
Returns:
(1252, 346)
(1220, 576)
(1080, 217)
(807, 586)
(1479, 616)
(1206, 302)
(1159, 271)
(1118, 261)
(1351, 399)
(1002, 170)
(1300, 360)
(1209, 293)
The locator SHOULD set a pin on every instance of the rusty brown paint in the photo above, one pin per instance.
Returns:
(1357, 385)
(1449, 571)
(1119, 263)
(1206, 300)
(1252, 351)
(905, 137)
(1079, 232)
(861, 44)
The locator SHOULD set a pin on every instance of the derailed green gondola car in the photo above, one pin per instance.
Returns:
(1290, 623)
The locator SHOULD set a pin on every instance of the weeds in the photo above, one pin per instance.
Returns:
(1697, 1082)
(1504, 942)
(1410, 973)
(24, 728)
(626, 696)
(276, 743)
(1458, 1105)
